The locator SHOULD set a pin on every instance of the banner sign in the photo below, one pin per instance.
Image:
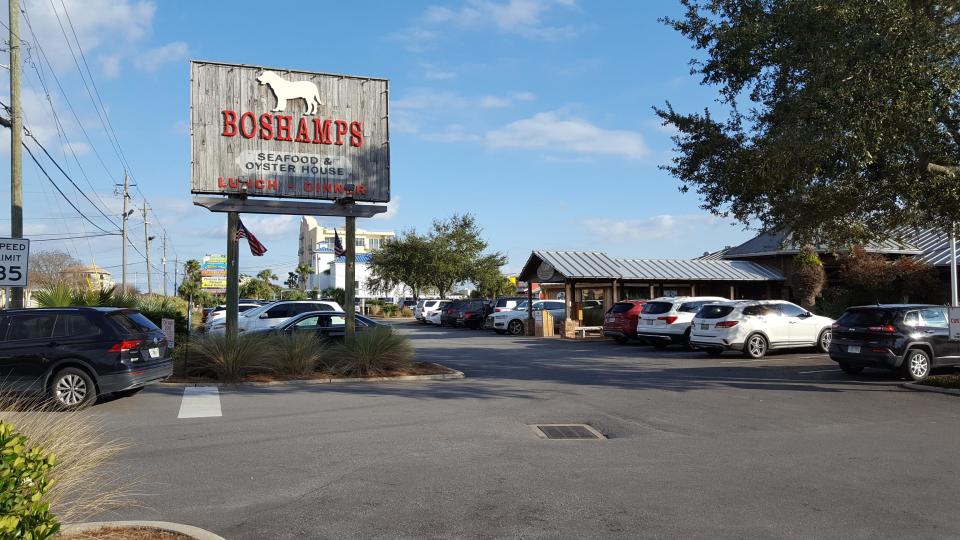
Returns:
(268, 132)
(213, 274)
(167, 325)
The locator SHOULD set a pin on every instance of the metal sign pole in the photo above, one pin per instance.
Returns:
(953, 264)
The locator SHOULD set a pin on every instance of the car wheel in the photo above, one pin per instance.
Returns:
(917, 364)
(72, 388)
(823, 342)
(515, 327)
(714, 352)
(850, 369)
(685, 341)
(755, 347)
(129, 392)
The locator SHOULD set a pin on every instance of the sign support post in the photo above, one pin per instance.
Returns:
(350, 271)
(233, 276)
(953, 264)
(16, 138)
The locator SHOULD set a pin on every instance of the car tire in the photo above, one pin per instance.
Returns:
(755, 346)
(72, 388)
(515, 327)
(917, 365)
(685, 341)
(714, 352)
(129, 392)
(823, 340)
(850, 369)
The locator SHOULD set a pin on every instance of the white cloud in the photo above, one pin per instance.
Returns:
(77, 148)
(152, 59)
(550, 130)
(110, 65)
(272, 226)
(424, 99)
(111, 24)
(661, 227)
(524, 96)
(392, 208)
(440, 75)
(494, 102)
(451, 134)
(524, 18)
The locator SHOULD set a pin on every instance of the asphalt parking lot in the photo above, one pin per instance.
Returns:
(699, 447)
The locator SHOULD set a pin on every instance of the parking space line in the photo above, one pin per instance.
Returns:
(200, 402)
(819, 371)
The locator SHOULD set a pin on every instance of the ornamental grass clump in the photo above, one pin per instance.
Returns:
(213, 355)
(373, 352)
(296, 355)
(84, 479)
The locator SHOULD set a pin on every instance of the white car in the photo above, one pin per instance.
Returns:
(271, 315)
(513, 321)
(427, 307)
(219, 315)
(666, 320)
(757, 326)
(434, 317)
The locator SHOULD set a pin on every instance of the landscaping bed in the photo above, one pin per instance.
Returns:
(126, 533)
(419, 368)
(943, 381)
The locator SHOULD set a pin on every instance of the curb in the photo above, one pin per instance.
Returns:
(435, 377)
(189, 530)
(934, 389)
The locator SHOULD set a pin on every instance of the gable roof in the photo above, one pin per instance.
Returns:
(781, 243)
(599, 266)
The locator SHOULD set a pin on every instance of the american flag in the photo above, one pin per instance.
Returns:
(256, 248)
(338, 250)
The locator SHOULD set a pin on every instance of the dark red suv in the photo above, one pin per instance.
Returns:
(620, 323)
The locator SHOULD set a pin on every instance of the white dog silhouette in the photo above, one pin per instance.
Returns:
(286, 90)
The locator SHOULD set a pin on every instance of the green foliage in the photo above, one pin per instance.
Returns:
(57, 295)
(24, 483)
(156, 307)
(295, 355)
(338, 294)
(843, 118)
(871, 278)
(808, 276)
(215, 356)
(261, 286)
(373, 352)
(293, 295)
(406, 312)
(63, 295)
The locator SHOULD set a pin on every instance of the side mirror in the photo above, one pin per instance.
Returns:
(807, 314)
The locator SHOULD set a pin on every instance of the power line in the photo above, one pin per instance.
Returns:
(72, 237)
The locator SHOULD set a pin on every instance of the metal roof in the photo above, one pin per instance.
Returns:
(934, 244)
(781, 243)
(715, 256)
(598, 265)
(696, 270)
(578, 264)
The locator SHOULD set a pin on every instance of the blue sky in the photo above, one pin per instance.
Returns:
(534, 115)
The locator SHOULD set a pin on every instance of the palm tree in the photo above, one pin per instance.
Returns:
(303, 270)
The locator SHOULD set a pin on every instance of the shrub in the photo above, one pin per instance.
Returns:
(24, 484)
(372, 352)
(214, 356)
(296, 355)
(406, 312)
(156, 307)
(808, 276)
(390, 310)
(376, 310)
(85, 481)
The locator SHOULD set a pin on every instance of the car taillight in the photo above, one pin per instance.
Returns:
(670, 319)
(887, 329)
(726, 324)
(467, 315)
(125, 345)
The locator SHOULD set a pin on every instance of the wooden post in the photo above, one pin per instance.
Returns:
(16, 139)
(350, 272)
(233, 276)
(530, 322)
(733, 293)
(653, 292)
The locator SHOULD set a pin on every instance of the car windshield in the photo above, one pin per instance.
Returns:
(521, 306)
(866, 317)
(656, 308)
(255, 312)
(713, 311)
(621, 307)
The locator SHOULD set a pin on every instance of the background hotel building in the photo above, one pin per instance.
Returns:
(316, 250)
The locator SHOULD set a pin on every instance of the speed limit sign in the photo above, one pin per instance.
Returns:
(14, 256)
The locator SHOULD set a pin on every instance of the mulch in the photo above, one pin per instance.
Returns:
(125, 533)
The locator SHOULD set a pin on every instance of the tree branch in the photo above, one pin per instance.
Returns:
(947, 170)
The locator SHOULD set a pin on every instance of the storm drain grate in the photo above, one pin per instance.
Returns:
(568, 432)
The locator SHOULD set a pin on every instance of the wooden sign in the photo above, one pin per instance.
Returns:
(268, 132)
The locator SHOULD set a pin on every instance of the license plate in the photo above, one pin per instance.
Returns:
(853, 349)
(650, 322)
(154, 352)
(704, 326)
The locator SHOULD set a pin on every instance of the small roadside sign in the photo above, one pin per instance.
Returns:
(14, 258)
(167, 325)
(954, 323)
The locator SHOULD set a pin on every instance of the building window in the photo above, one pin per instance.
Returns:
(360, 242)
(375, 243)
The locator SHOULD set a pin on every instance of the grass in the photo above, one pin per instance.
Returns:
(943, 381)
(86, 479)
(227, 361)
(373, 352)
(295, 355)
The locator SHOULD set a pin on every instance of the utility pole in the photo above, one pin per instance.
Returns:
(123, 234)
(176, 274)
(16, 139)
(163, 263)
(147, 238)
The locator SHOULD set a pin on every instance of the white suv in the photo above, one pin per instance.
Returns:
(427, 308)
(666, 320)
(270, 315)
(756, 326)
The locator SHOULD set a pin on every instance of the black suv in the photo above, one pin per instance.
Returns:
(75, 354)
(451, 312)
(906, 337)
